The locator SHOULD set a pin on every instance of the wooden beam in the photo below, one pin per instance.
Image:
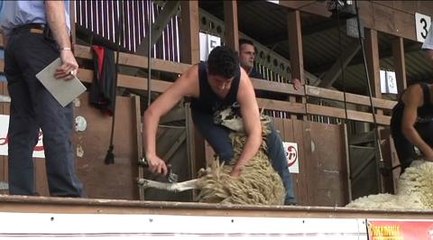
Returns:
(381, 17)
(190, 53)
(399, 63)
(134, 60)
(169, 10)
(295, 42)
(341, 63)
(139, 139)
(56, 205)
(296, 50)
(231, 22)
(372, 52)
(392, 17)
(189, 32)
(313, 7)
(72, 20)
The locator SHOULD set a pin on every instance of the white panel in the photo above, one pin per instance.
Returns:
(38, 151)
(383, 81)
(132, 226)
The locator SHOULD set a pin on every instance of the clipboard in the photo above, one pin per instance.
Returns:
(64, 91)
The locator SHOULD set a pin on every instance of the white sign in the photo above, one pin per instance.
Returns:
(168, 227)
(388, 82)
(274, 1)
(292, 156)
(38, 151)
(207, 43)
(422, 26)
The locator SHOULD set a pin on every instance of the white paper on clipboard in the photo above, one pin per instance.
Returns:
(64, 91)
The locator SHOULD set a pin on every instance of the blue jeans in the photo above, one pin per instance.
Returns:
(218, 138)
(33, 107)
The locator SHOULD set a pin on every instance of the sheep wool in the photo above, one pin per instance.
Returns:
(258, 184)
(414, 191)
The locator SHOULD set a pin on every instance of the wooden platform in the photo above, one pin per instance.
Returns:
(25, 204)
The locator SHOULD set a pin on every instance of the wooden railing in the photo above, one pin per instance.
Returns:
(357, 108)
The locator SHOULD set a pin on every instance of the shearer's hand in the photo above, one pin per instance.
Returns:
(236, 171)
(157, 165)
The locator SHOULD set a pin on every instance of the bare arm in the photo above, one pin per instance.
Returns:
(413, 98)
(55, 13)
(251, 119)
(184, 86)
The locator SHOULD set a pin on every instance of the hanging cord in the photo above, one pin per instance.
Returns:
(341, 66)
(346, 119)
(109, 158)
(381, 163)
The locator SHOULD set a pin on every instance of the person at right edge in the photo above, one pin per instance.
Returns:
(412, 118)
(35, 34)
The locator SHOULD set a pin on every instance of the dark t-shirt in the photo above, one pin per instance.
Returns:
(208, 101)
(425, 112)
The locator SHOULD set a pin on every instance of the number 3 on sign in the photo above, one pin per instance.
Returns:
(423, 23)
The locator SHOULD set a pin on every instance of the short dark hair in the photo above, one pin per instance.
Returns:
(223, 61)
(245, 41)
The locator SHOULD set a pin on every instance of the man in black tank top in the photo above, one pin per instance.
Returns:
(412, 124)
(213, 86)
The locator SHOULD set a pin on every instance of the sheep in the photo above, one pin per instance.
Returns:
(414, 191)
(259, 183)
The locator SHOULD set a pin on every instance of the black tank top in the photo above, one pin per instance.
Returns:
(208, 101)
(425, 112)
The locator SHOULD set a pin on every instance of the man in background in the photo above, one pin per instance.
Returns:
(247, 58)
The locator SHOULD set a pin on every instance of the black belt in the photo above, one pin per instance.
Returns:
(31, 27)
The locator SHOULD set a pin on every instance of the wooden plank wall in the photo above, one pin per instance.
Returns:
(322, 177)
(113, 181)
(116, 181)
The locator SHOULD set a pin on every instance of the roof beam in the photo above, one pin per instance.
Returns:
(313, 7)
(341, 63)
(384, 16)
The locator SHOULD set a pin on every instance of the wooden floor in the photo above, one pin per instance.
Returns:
(97, 206)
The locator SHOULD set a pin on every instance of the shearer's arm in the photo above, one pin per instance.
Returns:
(413, 98)
(251, 119)
(183, 86)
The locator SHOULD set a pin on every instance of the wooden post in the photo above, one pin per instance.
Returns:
(399, 63)
(372, 51)
(190, 53)
(189, 32)
(296, 50)
(72, 19)
(231, 20)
